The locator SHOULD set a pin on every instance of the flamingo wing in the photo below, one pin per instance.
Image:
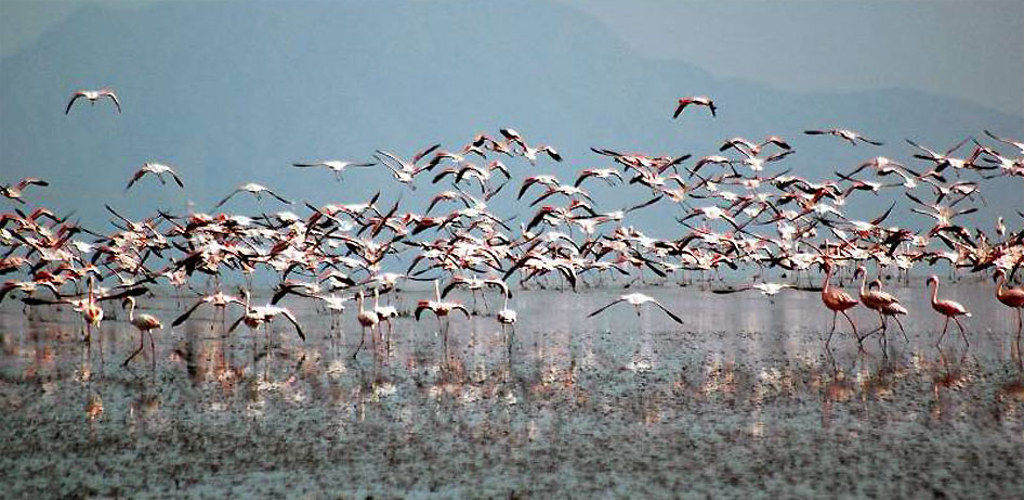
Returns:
(113, 97)
(599, 311)
(72, 101)
(670, 314)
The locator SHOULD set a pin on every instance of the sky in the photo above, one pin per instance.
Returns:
(969, 50)
(269, 84)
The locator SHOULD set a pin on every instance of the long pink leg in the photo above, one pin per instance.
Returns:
(847, 316)
(835, 315)
(962, 332)
(943, 331)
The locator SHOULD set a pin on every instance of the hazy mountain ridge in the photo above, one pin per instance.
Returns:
(248, 88)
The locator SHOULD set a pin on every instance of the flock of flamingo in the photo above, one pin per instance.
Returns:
(336, 253)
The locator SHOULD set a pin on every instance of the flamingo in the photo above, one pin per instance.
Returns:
(14, 192)
(144, 323)
(696, 101)
(256, 190)
(1011, 297)
(367, 319)
(949, 309)
(384, 315)
(880, 302)
(157, 169)
(257, 316)
(636, 300)
(508, 317)
(336, 166)
(93, 96)
(441, 311)
(845, 134)
(838, 301)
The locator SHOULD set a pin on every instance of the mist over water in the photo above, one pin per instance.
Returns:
(741, 400)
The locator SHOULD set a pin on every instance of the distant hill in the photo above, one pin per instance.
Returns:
(235, 92)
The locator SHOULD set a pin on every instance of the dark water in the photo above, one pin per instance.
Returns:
(740, 401)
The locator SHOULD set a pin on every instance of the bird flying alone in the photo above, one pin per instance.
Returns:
(256, 189)
(696, 101)
(93, 96)
(157, 169)
(636, 300)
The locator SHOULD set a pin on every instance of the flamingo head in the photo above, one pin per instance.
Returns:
(128, 302)
(860, 270)
(998, 274)
(933, 279)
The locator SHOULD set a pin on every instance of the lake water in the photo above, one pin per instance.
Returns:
(742, 400)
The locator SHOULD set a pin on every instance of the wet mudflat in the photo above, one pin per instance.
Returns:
(743, 400)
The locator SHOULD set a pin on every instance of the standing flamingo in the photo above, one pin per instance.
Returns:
(367, 319)
(1011, 297)
(508, 317)
(145, 323)
(883, 303)
(838, 301)
(949, 309)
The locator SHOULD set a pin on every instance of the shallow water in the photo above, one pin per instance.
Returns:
(742, 400)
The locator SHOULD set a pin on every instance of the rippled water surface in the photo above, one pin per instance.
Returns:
(742, 400)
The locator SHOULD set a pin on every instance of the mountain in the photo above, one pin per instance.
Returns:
(234, 92)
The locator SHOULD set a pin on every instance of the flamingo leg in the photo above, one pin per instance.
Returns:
(901, 329)
(847, 316)
(362, 338)
(944, 328)
(142, 342)
(835, 315)
(152, 347)
(962, 332)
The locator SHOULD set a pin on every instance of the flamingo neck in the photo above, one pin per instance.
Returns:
(863, 281)
(828, 277)
(131, 311)
(935, 292)
(1001, 288)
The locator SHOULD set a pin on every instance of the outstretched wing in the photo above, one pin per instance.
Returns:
(72, 101)
(675, 318)
(291, 318)
(184, 317)
(599, 311)
(226, 198)
(117, 103)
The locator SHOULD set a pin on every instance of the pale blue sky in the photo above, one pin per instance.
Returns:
(971, 50)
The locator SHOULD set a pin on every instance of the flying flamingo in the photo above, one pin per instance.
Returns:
(336, 166)
(696, 101)
(157, 169)
(441, 311)
(145, 323)
(636, 300)
(838, 301)
(949, 309)
(93, 96)
(1011, 297)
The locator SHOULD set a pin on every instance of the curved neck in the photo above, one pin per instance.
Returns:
(935, 291)
(131, 311)
(863, 282)
(828, 277)
(1001, 288)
